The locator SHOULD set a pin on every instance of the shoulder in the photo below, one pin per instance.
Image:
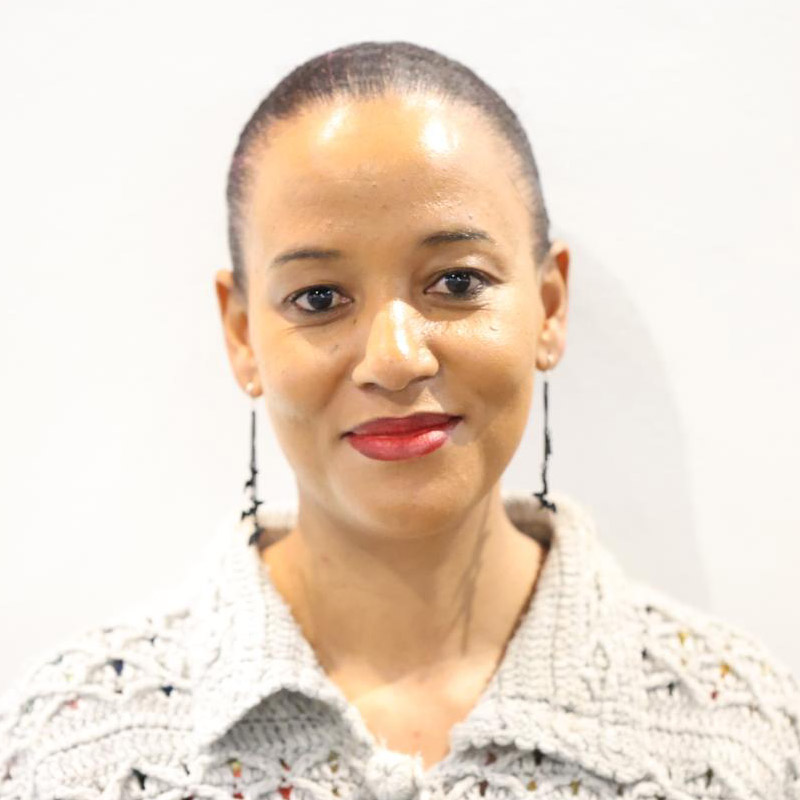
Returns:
(713, 683)
(81, 713)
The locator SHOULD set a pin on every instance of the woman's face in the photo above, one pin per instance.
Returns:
(387, 335)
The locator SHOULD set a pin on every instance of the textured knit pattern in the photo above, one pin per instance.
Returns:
(608, 688)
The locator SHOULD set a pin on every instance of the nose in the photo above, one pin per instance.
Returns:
(396, 352)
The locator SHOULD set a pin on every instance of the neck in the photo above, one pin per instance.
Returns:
(377, 609)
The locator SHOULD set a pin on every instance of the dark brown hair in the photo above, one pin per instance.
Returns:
(368, 70)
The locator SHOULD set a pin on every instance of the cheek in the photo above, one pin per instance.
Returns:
(497, 357)
(298, 381)
(496, 368)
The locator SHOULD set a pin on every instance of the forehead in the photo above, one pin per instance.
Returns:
(385, 162)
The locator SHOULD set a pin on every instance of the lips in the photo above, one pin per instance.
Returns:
(390, 426)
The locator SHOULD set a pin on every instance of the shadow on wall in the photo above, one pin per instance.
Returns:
(618, 445)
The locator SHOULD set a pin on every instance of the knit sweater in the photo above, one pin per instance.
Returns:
(607, 688)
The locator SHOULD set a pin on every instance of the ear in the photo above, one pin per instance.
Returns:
(555, 297)
(233, 311)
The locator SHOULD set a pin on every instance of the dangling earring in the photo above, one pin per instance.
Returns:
(250, 485)
(547, 447)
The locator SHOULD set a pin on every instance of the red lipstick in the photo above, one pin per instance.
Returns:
(394, 438)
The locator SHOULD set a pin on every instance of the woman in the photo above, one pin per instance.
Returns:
(410, 630)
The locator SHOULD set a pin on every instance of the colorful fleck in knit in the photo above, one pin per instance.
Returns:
(608, 688)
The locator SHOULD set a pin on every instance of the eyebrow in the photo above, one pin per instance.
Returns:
(461, 234)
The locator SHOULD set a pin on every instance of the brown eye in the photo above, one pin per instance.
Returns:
(458, 282)
(319, 298)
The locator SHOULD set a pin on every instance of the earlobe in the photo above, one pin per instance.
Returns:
(555, 300)
(548, 350)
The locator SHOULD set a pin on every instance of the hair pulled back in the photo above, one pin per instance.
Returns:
(367, 70)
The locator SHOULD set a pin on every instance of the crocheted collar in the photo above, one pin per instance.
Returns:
(569, 682)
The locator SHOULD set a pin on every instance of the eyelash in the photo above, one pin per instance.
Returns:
(469, 295)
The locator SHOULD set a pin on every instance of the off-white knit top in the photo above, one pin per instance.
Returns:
(607, 688)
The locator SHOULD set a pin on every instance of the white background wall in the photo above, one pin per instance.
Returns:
(667, 137)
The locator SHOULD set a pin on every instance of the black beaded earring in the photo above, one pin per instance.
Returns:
(250, 485)
(542, 495)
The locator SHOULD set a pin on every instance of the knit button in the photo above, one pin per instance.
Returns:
(393, 776)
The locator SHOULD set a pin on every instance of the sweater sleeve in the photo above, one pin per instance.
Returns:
(82, 714)
(732, 691)
(28, 710)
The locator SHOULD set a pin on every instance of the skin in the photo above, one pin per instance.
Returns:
(407, 577)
